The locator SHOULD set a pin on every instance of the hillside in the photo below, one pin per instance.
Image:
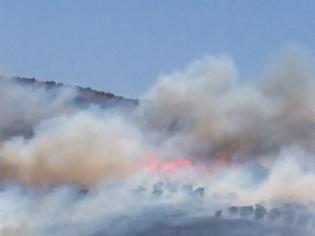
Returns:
(84, 97)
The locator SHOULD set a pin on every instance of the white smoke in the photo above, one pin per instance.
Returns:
(67, 170)
(206, 107)
(79, 148)
(23, 107)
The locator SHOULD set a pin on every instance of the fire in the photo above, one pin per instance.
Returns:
(153, 163)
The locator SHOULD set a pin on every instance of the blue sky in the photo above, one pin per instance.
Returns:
(122, 46)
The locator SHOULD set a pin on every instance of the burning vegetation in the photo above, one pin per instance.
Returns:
(203, 154)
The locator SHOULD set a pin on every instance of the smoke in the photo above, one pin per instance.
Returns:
(205, 106)
(78, 148)
(202, 140)
(23, 107)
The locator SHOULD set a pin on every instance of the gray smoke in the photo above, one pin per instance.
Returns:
(23, 107)
(202, 140)
(208, 107)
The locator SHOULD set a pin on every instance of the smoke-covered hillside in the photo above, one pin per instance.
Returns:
(25, 101)
(207, 153)
(84, 96)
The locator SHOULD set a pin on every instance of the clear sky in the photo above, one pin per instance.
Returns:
(122, 46)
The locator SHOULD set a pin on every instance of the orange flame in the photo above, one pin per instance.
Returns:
(153, 163)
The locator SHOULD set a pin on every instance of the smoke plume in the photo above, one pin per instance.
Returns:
(202, 140)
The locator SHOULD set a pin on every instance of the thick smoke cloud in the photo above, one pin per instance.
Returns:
(205, 106)
(23, 107)
(202, 140)
(77, 148)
